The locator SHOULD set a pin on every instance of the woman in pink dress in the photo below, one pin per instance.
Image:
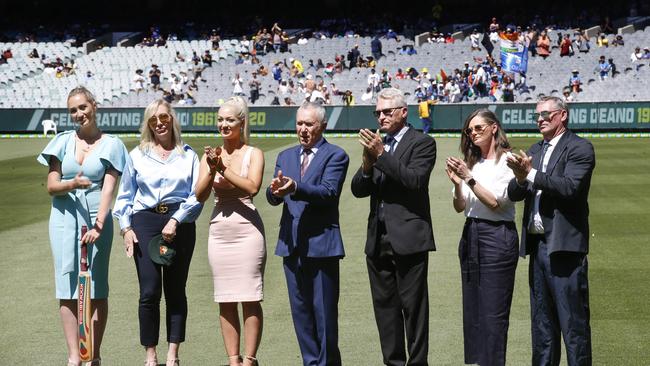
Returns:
(236, 245)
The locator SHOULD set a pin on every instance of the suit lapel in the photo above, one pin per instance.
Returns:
(558, 150)
(404, 143)
(536, 154)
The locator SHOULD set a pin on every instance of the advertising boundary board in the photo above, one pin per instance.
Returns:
(605, 116)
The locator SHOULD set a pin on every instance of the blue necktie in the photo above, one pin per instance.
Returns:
(390, 141)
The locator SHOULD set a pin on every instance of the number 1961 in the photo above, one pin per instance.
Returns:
(643, 115)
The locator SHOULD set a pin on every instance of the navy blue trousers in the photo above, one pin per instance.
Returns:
(313, 285)
(559, 304)
(154, 278)
(488, 256)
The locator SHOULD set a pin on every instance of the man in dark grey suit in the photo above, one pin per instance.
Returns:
(395, 174)
(554, 178)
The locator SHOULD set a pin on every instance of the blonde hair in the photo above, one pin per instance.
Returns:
(85, 92)
(147, 137)
(240, 109)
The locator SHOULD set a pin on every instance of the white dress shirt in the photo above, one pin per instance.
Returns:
(535, 226)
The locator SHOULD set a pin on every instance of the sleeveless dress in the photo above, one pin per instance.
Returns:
(79, 207)
(236, 244)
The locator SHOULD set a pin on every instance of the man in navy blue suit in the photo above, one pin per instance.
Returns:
(308, 180)
(554, 178)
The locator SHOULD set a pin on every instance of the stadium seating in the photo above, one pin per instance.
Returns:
(25, 84)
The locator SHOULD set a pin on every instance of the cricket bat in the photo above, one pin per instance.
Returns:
(84, 311)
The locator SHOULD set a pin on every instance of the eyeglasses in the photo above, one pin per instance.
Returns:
(386, 112)
(546, 115)
(164, 118)
(478, 129)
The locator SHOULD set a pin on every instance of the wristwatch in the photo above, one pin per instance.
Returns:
(471, 182)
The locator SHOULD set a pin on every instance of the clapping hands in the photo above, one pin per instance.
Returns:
(521, 164)
(215, 163)
(457, 170)
(281, 185)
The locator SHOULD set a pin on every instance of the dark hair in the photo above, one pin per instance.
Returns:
(471, 152)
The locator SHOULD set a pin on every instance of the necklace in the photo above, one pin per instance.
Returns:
(164, 153)
(88, 146)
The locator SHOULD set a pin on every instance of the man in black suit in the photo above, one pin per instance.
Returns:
(554, 178)
(395, 174)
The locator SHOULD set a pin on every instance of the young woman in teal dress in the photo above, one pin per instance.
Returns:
(84, 165)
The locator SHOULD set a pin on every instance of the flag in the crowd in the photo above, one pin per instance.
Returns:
(487, 44)
(514, 53)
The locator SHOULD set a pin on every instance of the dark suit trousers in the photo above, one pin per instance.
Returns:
(400, 298)
(313, 285)
(559, 302)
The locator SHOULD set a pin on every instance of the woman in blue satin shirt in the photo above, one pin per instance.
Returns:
(157, 196)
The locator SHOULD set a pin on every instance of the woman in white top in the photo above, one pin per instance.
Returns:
(488, 246)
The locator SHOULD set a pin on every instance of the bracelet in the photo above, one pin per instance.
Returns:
(125, 230)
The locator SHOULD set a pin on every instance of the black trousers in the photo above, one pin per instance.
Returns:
(488, 256)
(559, 304)
(154, 278)
(400, 298)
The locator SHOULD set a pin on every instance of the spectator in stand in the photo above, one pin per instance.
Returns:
(7, 54)
(284, 42)
(603, 68)
(207, 59)
(319, 64)
(618, 41)
(254, 86)
(575, 82)
(566, 47)
(424, 75)
(375, 48)
(179, 57)
(646, 53)
(475, 40)
(276, 71)
(508, 89)
(373, 80)
(367, 96)
(493, 29)
(353, 56)
(33, 54)
(277, 37)
(448, 39)
(392, 35)
(613, 67)
(384, 79)
(544, 45)
(606, 26)
(400, 75)
(495, 92)
(138, 81)
(582, 42)
(602, 41)
(452, 91)
(288, 101)
(238, 83)
(262, 71)
(239, 60)
(348, 98)
(197, 70)
(567, 96)
(412, 73)
(297, 70)
(195, 57)
(637, 57)
(334, 90)
(154, 77)
(531, 41)
(215, 39)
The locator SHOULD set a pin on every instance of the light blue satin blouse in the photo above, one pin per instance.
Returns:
(148, 180)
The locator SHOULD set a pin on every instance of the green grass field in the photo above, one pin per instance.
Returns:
(619, 271)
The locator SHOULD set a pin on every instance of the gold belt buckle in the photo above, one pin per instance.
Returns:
(161, 208)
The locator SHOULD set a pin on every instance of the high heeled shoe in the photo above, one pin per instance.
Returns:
(236, 358)
(252, 359)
